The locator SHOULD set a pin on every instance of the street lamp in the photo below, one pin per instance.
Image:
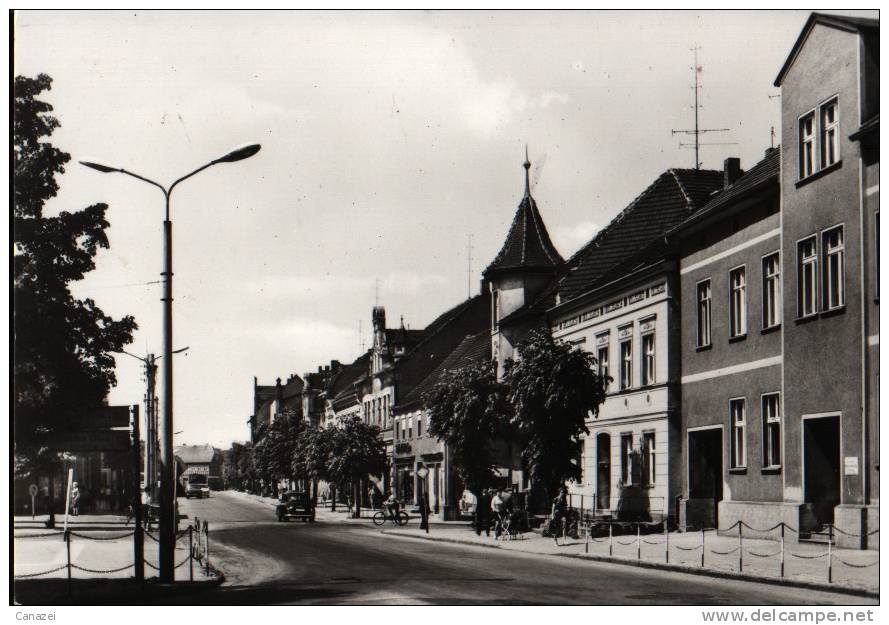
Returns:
(167, 542)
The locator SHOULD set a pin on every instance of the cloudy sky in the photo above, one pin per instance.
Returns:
(387, 139)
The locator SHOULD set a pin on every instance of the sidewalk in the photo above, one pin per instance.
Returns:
(805, 565)
(101, 546)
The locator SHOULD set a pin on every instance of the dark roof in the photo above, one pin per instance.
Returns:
(527, 244)
(468, 317)
(404, 337)
(764, 172)
(669, 200)
(195, 454)
(293, 387)
(264, 393)
(343, 383)
(868, 127)
(843, 22)
(474, 348)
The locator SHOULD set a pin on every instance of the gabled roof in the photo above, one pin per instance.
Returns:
(669, 200)
(843, 22)
(195, 454)
(527, 244)
(765, 172)
(342, 384)
(468, 317)
(475, 348)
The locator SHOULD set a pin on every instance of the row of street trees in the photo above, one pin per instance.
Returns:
(291, 451)
(540, 405)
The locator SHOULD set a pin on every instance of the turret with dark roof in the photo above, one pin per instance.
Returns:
(527, 246)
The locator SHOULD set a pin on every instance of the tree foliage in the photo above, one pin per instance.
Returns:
(62, 346)
(312, 452)
(553, 388)
(468, 410)
(355, 452)
(274, 450)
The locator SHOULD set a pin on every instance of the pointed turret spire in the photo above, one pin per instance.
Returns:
(527, 246)
(527, 166)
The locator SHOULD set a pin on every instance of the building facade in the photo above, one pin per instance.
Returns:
(830, 237)
(731, 325)
(618, 301)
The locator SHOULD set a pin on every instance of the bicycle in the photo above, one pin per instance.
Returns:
(400, 518)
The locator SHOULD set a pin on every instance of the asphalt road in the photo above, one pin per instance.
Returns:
(266, 562)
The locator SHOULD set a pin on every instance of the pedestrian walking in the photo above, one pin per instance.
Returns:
(483, 513)
(560, 513)
(497, 513)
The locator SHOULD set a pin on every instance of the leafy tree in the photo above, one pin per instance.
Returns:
(233, 474)
(468, 411)
(62, 346)
(553, 387)
(274, 451)
(356, 452)
(311, 456)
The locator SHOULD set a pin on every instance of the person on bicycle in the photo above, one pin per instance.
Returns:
(560, 513)
(391, 505)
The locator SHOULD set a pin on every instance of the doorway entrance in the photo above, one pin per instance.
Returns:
(705, 473)
(603, 471)
(821, 465)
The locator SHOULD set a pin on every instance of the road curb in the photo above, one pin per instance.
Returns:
(663, 566)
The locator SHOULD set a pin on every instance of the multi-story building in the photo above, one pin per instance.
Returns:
(618, 301)
(730, 466)
(415, 375)
(830, 251)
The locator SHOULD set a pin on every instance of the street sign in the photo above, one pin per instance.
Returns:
(96, 440)
(107, 417)
(422, 472)
(32, 489)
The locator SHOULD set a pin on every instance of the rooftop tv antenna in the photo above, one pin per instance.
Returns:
(698, 131)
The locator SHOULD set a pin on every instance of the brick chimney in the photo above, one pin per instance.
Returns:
(731, 171)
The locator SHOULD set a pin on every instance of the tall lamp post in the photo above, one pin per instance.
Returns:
(167, 542)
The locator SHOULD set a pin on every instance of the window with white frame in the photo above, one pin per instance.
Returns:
(648, 358)
(626, 364)
(830, 131)
(419, 425)
(807, 146)
(410, 427)
(807, 289)
(649, 472)
(771, 291)
(738, 308)
(833, 249)
(626, 458)
(771, 430)
(602, 358)
(704, 313)
(738, 416)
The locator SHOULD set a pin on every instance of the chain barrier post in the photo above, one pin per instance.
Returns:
(190, 553)
(207, 544)
(702, 545)
(666, 542)
(782, 548)
(740, 547)
(638, 541)
(586, 547)
(863, 526)
(68, 552)
(610, 540)
(829, 555)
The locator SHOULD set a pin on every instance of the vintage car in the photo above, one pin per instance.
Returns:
(295, 505)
